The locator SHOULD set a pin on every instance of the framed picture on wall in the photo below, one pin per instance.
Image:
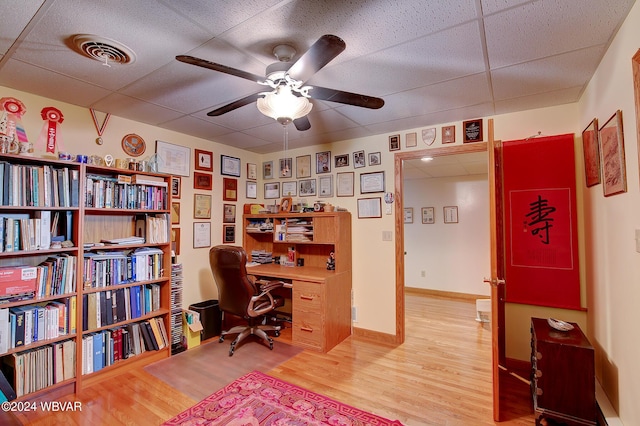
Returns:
(428, 215)
(614, 174)
(176, 187)
(591, 151)
(204, 160)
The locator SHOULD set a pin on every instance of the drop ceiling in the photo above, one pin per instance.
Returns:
(432, 62)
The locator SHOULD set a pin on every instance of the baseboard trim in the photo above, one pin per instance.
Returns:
(441, 293)
(375, 336)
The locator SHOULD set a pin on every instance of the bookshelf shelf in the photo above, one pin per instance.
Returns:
(50, 195)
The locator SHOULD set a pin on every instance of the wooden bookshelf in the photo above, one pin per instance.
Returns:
(84, 224)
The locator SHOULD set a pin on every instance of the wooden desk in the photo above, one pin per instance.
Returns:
(321, 303)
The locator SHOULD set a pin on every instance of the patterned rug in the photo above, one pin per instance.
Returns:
(257, 399)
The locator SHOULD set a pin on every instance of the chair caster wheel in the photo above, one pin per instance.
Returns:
(231, 350)
(221, 339)
(277, 333)
(271, 344)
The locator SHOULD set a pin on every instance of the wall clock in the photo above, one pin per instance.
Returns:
(133, 145)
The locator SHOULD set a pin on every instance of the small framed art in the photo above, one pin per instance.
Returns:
(591, 152)
(394, 142)
(230, 189)
(428, 215)
(252, 189)
(290, 188)
(204, 160)
(285, 204)
(303, 166)
(375, 159)
(228, 213)
(252, 171)
(448, 134)
(325, 186)
(408, 215)
(176, 187)
(201, 206)
(228, 234)
(202, 181)
(341, 160)
(175, 240)
(272, 190)
(175, 213)
(201, 234)
(358, 159)
(306, 187)
(229, 166)
(323, 162)
(411, 140)
(614, 174)
(267, 170)
(450, 214)
(472, 131)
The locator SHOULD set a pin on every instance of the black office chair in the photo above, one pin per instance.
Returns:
(239, 295)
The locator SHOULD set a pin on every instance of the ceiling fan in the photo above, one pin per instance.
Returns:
(288, 98)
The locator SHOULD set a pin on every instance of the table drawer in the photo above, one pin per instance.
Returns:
(307, 329)
(307, 297)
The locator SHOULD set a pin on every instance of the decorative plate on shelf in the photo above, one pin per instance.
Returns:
(559, 324)
(133, 145)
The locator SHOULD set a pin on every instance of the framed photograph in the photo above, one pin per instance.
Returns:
(175, 240)
(204, 160)
(303, 166)
(228, 234)
(472, 131)
(285, 204)
(325, 186)
(614, 174)
(252, 171)
(411, 140)
(175, 213)
(290, 188)
(344, 184)
(448, 134)
(341, 160)
(272, 190)
(201, 234)
(428, 215)
(450, 214)
(267, 170)
(307, 188)
(202, 181)
(394, 142)
(323, 162)
(252, 189)
(230, 189)
(369, 208)
(358, 159)
(408, 215)
(591, 152)
(173, 159)
(228, 213)
(229, 166)
(201, 206)
(176, 187)
(286, 166)
(375, 159)
(371, 182)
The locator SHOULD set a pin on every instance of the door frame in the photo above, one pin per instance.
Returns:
(399, 216)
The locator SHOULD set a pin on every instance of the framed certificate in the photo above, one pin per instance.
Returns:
(344, 184)
(229, 166)
(201, 234)
(371, 182)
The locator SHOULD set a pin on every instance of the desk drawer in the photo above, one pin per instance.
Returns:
(307, 297)
(307, 330)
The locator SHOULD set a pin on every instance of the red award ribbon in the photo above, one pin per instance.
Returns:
(50, 130)
(14, 109)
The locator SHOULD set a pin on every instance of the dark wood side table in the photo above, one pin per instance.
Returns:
(562, 375)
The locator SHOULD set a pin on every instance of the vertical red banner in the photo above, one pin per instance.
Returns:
(541, 222)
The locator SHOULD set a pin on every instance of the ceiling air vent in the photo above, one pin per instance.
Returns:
(103, 49)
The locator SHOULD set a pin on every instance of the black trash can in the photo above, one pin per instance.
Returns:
(210, 317)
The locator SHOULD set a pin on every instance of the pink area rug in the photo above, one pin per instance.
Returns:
(257, 399)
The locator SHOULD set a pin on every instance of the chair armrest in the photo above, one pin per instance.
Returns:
(258, 305)
(270, 285)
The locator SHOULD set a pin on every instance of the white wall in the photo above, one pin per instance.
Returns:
(441, 249)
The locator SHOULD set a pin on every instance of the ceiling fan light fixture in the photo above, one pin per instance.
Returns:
(283, 106)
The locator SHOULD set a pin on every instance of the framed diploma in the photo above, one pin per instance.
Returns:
(201, 234)
(344, 184)
(371, 182)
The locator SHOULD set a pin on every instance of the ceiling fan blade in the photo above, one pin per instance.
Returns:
(234, 105)
(348, 98)
(319, 54)
(302, 123)
(221, 68)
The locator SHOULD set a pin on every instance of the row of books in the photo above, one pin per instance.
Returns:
(107, 347)
(37, 369)
(21, 232)
(122, 192)
(110, 307)
(38, 185)
(156, 229)
(24, 325)
(106, 268)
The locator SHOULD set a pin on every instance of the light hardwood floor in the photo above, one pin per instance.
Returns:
(441, 375)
